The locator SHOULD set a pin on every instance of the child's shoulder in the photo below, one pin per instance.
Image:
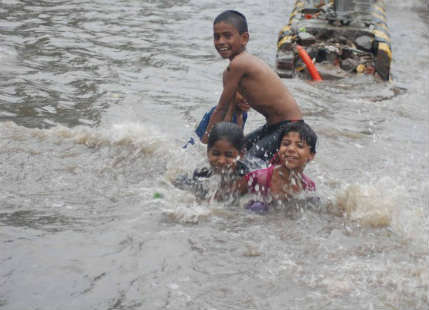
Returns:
(248, 63)
(244, 58)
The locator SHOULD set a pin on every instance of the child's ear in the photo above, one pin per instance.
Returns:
(311, 157)
(244, 38)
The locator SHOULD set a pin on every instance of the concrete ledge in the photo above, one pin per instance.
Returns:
(317, 23)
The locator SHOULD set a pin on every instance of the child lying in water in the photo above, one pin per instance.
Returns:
(281, 181)
(224, 149)
(285, 179)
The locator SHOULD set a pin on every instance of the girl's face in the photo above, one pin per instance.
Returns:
(294, 152)
(228, 41)
(223, 156)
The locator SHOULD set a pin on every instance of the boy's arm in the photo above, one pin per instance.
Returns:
(231, 78)
(229, 114)
(241, 107)
(236, 108)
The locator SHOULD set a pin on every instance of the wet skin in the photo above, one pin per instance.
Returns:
(294, 153)
(223, 156)
(228, 41)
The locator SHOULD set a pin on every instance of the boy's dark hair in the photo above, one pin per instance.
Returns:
(231, 132)
(234, 18)
(305, 132)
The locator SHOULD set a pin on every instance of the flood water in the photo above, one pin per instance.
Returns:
(97, 98)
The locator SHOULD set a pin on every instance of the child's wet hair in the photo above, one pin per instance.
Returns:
(233, 18)
(306, 133)
(230, 132)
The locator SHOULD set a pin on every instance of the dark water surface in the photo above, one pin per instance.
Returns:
(96, 100)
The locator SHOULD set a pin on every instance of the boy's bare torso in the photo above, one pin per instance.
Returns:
(263, 89)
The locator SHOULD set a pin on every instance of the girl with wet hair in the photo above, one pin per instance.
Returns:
(224, 150)
(225, 147)
(229, 132)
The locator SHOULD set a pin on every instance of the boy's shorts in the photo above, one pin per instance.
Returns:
(201, 129)
(202, 126)
(263, 142)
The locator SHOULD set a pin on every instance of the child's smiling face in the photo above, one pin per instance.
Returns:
(228, 41)
(223, 156)
(294, 152)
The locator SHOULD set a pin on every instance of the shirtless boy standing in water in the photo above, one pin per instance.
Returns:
(256, 81)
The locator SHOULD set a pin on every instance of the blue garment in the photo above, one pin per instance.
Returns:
(202, 126)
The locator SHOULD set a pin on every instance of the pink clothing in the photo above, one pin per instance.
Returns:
(260, 181)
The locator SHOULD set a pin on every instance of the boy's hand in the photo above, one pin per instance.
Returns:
(241, 103)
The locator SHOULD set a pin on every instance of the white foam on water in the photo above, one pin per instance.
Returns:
(182, 206)
(383, 203)
(144, 138)
(7, 114)
(187, 214)
(184, 161)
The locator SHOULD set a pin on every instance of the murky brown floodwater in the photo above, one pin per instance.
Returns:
(96, 100)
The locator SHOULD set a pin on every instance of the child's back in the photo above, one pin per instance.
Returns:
(262, 88)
